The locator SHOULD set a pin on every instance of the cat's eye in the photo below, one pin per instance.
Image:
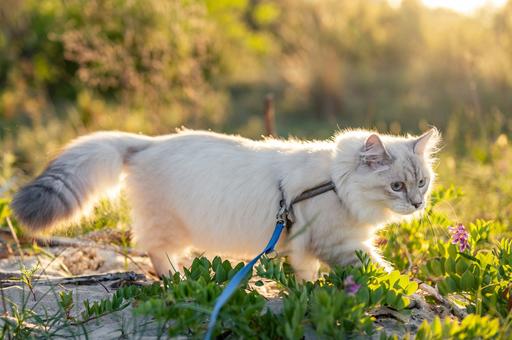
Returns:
(397, 186)
(422, 182)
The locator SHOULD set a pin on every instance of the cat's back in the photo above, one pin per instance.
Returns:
(201, 153)
(188, 145)
(199, 141)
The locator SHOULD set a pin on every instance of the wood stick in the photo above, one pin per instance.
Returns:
(456, 310)
(15, 237)
(269, 115)
(12, 279)
(56, 241)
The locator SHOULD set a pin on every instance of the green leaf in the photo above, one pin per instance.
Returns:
(452, 251)
(390, 298)
(450, 265)
(467, 281)
(376, 295)
(437, 328)
(451, 284)
(469, 257)
(436, 267)
(364, 295)
(412, 288)
(460, 266)
(393, 277)
(221, 274)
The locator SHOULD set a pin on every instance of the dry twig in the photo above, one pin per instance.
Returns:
(12, 279)
(456, 310)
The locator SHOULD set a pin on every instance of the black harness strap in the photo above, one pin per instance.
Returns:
(315, 191)
(287, 212)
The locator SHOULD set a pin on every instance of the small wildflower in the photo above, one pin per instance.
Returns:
(460, 236)
(351, 286)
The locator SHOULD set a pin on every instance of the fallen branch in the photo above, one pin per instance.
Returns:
(385, 312)
(269, 116)
(56, 241)
(456, 310)
(14, 236)
(12, 279)
(25, 324)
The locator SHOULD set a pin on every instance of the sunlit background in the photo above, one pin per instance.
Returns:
(150, 66)
(464, 6)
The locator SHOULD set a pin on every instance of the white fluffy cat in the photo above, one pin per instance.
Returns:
(219, 194)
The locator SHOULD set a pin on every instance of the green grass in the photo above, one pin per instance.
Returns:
(478, 279)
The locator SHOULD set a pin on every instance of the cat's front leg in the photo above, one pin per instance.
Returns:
(376, 257)
(305, 266)
(165, 263)
(350, 258)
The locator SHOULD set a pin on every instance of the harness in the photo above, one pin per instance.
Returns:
(284, 219)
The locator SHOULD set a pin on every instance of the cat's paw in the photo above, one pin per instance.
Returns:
(306, 275)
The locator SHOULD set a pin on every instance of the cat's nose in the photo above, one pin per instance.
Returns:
(416, 204)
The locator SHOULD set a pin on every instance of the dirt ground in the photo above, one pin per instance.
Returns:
(83, 267)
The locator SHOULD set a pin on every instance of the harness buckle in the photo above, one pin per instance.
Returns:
(282, 215)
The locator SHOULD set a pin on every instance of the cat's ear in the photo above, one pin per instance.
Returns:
(426, 144)
(374, 153)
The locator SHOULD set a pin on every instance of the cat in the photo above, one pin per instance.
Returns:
(219, 194)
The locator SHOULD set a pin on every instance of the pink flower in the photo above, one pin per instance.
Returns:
(351, 286)
(460, 236)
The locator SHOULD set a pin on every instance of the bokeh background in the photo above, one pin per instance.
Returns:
(149, 66)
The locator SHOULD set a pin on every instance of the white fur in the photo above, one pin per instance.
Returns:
(219, 194)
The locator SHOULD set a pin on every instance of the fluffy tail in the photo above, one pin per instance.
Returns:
(84, 170)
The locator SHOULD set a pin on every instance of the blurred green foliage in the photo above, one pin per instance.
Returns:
(68, 67)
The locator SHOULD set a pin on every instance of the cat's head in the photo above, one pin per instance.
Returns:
(391, 173)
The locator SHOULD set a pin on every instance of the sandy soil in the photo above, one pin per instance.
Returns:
(51, 263)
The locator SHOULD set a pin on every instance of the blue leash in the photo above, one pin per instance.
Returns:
(235, 280)
(282, 219)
